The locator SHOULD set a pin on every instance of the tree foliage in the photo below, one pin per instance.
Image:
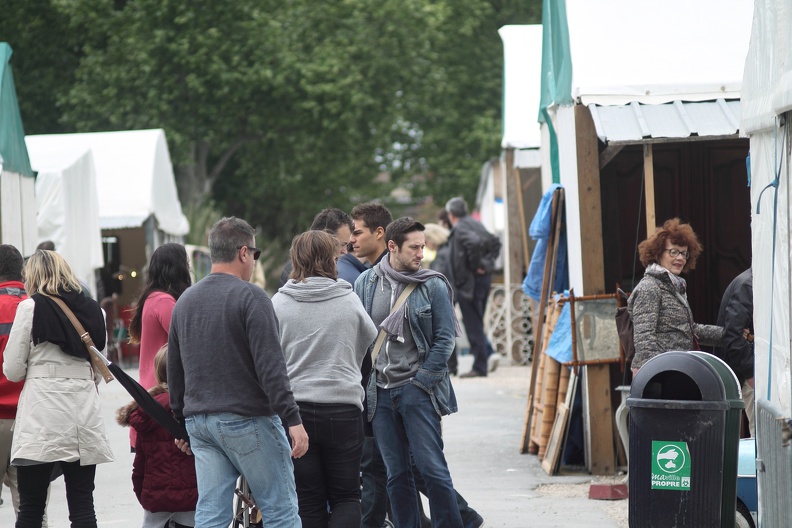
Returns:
(275, 109)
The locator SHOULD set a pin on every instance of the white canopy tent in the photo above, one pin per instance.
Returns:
(138, 206)
(766, 111)
(522, 54)
(134, 177)
(645, 52)
(68, 207)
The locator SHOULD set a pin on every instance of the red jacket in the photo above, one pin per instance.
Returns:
(162, 476)
(11, 294)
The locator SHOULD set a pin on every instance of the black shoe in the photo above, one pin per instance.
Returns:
(472, 374)
(476, 522)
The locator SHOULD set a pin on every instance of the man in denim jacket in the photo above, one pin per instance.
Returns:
(410, 389)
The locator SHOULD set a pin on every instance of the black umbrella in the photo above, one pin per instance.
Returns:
(145, 400)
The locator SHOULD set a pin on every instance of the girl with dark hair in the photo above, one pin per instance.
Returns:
(168, 277)
(662, 319)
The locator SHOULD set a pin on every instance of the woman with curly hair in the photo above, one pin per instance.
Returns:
(662, 319)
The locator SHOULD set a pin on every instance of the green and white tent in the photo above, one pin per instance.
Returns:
(17, 201)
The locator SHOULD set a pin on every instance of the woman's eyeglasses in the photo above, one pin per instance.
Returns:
(256, 251)
(676, 253)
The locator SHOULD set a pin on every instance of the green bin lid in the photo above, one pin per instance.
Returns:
(730, 382)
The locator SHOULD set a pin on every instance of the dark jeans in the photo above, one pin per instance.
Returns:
(473, 317)
(374, 495)
(329, 472)
(470, 517)
(405, 417)
(33, 482)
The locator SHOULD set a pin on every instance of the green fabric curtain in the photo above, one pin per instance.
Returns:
(12, 136)
(556, 70)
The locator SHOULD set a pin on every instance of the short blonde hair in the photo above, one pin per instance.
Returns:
(436, 235)
(47, 272)
(161, 366)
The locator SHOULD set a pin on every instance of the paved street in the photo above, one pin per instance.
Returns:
(481, 444)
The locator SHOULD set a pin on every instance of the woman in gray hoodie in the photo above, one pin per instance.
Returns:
(325, 333)
(662, 319)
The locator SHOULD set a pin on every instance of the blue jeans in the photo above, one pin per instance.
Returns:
(227, 445)
(329, 472)
(406, 421)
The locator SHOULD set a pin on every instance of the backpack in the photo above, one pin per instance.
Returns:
(490, 246)
(624, 327)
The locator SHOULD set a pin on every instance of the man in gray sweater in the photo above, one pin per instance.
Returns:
(228, 382)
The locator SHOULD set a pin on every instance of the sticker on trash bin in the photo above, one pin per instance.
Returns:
(670, 466)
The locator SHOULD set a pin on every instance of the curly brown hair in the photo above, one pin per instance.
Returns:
(650, 250)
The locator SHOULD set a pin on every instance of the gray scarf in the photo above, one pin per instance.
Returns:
(679, 283)
(394, 323)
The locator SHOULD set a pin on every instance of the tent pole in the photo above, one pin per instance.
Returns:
(651, 223)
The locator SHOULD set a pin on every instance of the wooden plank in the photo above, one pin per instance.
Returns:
(549, 275)
(516, 193)
(590, 201)
(539, 398)
(549, 399)
(550, 462)
(597, 401)
(649, 194)
(563, 385)
(608, 154)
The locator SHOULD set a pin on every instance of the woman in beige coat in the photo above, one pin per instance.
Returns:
(58, 419)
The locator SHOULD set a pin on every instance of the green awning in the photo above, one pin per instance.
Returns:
(556, 71)
(13, 152)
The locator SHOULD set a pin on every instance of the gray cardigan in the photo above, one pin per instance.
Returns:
(324, 333)
(662, 320)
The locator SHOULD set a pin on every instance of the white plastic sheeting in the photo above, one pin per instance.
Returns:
(134, 176)
(18, 211)
(766, 91)
(767, 81)
(68, 207)
(522, 54)
(657, 52)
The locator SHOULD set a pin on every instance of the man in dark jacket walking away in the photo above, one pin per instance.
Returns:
(736, 318)
(472, 254)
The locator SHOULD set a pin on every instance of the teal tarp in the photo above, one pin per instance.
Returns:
(12, 136)
(556, 71)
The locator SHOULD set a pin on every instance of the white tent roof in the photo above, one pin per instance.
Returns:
(657, 52)
(67, 205)
(522, 53)
(134, 176)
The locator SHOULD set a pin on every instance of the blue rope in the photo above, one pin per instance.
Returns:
(774, 185)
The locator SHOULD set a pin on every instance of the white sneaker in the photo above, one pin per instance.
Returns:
(492, 362)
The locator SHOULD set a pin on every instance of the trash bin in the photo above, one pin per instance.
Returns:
(731, 445)
(678, 413)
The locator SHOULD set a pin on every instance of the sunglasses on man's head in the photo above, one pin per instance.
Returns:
(256, 251)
